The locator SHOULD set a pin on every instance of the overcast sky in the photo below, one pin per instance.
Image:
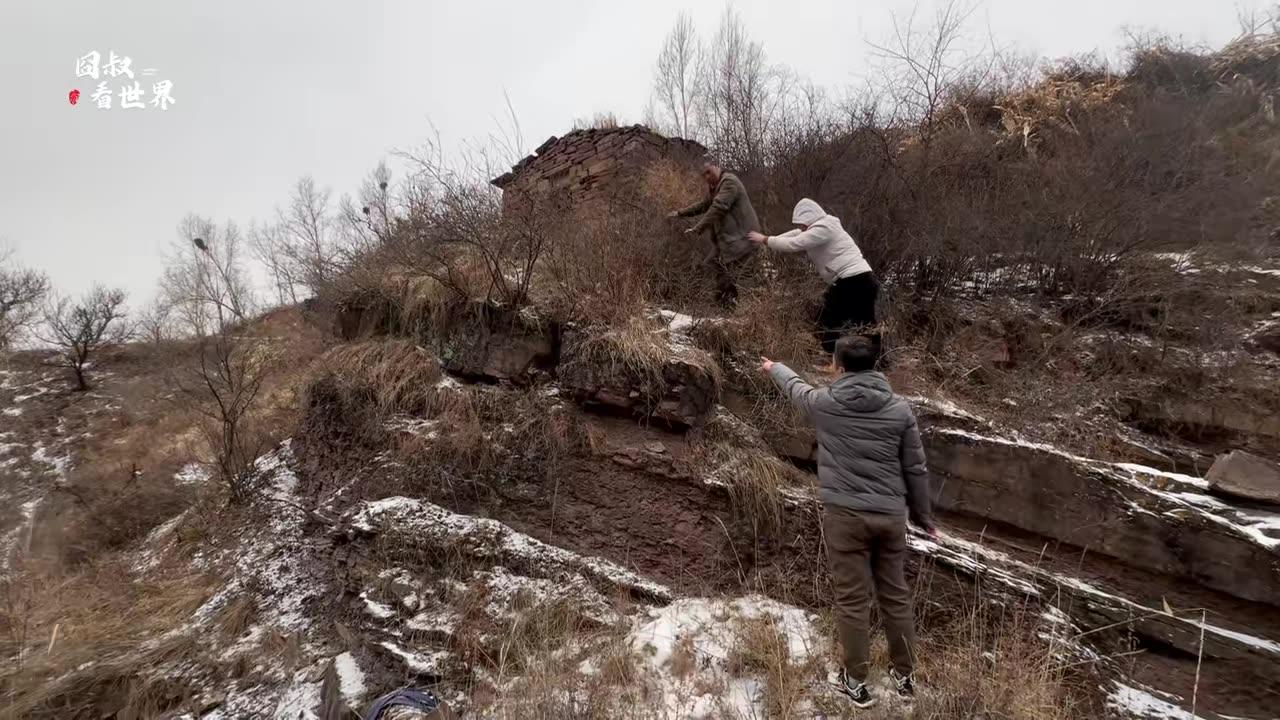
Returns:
(268, 90)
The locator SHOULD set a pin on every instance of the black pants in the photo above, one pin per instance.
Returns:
(729, 275)
(849, 302)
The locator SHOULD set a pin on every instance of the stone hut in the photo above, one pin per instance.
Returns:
(594, 164)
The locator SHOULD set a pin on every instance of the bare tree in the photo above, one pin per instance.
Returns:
(367, 220)
(269, 246)
(79, 329)
(741, 94)
(21, 292)
(925, 63)
(454, 229)
(155, 322)
(224, 387)
(306, 227)
(205, 281)
(676, 89)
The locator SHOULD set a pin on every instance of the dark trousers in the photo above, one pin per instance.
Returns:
(867, 552)
(731, 274)
(849, 302)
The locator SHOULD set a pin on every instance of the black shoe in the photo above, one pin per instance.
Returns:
(906, 687)
(857, 692)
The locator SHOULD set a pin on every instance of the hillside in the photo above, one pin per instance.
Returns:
(515, 452)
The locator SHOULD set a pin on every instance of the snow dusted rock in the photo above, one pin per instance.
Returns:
(1246, 475)
(425, 524)
(1155, 521)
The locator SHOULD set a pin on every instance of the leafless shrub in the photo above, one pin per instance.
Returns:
(21, 294)
(453, 220)
(80, 329)
(224, 388)
(156, 322)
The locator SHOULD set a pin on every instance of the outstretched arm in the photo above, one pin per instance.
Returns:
(725, 197)
(797, 240)
(915, 476)
(695, 209)
(798, 391)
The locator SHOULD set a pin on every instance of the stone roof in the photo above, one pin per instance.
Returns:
(579, 146)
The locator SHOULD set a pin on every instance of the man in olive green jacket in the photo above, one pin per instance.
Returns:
(728, 214)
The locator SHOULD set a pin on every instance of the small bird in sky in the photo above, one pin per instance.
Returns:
(200, 244)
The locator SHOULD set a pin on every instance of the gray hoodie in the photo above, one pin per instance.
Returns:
(869, 453)
(830, 248)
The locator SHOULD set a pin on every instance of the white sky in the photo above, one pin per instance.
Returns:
(269, 90)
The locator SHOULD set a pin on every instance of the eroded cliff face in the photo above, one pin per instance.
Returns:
(1120, 558)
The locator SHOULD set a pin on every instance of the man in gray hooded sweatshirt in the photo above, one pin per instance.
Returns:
(871, 478)
(850, 299)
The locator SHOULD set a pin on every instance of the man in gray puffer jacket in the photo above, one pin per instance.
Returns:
(871, 478)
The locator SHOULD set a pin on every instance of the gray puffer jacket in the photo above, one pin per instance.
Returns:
(869, 452)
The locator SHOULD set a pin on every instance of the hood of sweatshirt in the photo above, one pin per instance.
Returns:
(862, 391)
(807, 212)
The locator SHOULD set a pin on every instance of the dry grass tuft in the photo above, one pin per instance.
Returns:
(756, 481)
(634, 354)
(762, 649)
(399, 375)
(637, 355)
(237, 615)
(87, 639)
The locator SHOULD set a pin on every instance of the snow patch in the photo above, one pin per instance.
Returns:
(379, 610)
(192, 474)
(484, 537)
(1142, 704)
(350, 678)
(944, 407)
(702, 686)
(421, 663)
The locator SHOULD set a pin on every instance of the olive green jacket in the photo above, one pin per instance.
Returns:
(727, 212)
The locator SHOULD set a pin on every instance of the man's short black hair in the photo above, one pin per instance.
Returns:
(856, 353)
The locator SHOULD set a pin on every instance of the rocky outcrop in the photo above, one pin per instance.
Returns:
(497, 344)
(1205, 416)
(1246, 475)
(1114, 510)
(682, 396)
(663, 380)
